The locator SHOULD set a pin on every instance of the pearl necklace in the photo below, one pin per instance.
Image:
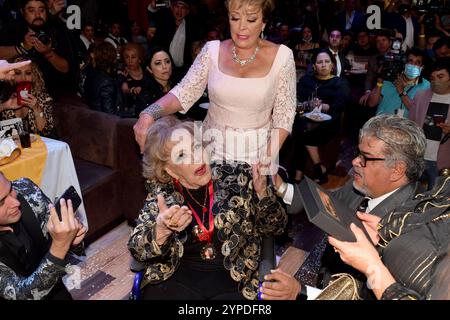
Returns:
(244, 61)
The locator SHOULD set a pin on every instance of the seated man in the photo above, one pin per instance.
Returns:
(34, 242)
(386, 170)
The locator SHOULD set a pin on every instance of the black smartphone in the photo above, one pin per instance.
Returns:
(71, 194)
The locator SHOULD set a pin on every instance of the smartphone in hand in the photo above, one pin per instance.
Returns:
(71, 194)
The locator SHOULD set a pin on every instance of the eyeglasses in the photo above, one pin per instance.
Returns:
(364, 159)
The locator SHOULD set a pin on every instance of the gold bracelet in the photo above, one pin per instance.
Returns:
(379, 84)
(421, 36)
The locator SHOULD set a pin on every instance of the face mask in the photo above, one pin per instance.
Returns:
(440, 87)
(412, 71)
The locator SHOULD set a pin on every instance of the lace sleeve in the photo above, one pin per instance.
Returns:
(285, 101)
(192, 86)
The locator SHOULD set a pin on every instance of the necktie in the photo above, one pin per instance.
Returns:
(363, 205)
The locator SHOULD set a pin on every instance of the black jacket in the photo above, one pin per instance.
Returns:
(102, 92)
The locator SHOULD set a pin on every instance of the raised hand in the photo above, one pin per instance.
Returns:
(7, 69)
(62, 232)
(171, 219)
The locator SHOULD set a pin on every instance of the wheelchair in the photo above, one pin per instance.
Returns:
(136, 292)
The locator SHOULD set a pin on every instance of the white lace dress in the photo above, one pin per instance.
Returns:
(242, 111)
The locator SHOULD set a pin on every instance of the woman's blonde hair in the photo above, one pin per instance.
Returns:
(38, 78)
(158, 147)
(129, 46)
(266, 6)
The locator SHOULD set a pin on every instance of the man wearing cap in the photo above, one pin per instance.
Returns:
(175, 32)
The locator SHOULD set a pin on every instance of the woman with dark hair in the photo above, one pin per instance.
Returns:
(331, 93)
(158, 77)
(101, 91)
(305, 49)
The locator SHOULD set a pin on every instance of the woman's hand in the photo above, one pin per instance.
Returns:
(361, 254)
(140, 129)
(325, 107)
(279, 285)
(31, 102)
(175, 218)
(7, 69)
(370, 222)
(135, 90)
(259, 181)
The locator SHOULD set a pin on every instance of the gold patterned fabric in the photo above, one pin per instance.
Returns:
(240, 221)
(415, 241)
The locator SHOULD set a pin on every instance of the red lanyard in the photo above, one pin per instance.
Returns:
(206, 235)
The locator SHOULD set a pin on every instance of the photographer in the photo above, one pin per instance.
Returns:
(37, 37)
(395, 97)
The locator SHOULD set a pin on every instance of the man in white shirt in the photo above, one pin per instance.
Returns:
(87, 35)
(389, 163)
(114, 37)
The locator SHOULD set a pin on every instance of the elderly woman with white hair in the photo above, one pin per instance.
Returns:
(200, 230)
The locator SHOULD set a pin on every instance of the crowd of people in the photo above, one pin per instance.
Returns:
(265, 69)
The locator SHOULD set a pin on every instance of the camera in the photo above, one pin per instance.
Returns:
(393, 62)
(162, 3)
(429, 8)
(43, 37)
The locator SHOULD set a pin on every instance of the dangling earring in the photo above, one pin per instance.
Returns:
(262, 34)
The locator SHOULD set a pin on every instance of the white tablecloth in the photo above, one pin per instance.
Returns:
(59, 173)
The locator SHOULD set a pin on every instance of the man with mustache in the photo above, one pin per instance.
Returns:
(52, 52)
(431, 110)
(386, 170)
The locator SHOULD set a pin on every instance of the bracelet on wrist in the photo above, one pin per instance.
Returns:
(379, 84)
(154, 110)
(281, 191)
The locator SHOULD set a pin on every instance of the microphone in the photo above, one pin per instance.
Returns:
(267, 260)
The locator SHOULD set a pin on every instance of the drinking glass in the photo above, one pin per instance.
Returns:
(24, 135)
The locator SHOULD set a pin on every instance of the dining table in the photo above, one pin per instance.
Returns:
(49, 164)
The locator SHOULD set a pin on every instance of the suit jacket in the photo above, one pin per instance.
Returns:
(358, 22)
(29, 275)
(353, 198)
(166, 28)
(418, 112)
(237, 211)
(331, 262)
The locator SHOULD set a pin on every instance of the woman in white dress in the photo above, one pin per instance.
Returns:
(252, 89)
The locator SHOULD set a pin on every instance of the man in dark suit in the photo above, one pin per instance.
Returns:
(385, 174)
(349, 19)
(175, 31)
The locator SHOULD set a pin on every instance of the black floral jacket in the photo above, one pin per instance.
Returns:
(240, 221)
